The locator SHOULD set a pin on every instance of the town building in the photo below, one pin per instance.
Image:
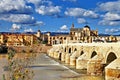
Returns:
(84, 34)
(80, 35)
(76, 35)
(22, 39)
(17, 39)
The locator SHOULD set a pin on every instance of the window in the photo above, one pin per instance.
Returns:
(71, 38)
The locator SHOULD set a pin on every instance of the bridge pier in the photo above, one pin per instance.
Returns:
(112, 71)
(63, 56)
(51, 53)
(73, 58)
(94, 67)
(72, 61)
(56, 55)
(67, 58)
(81, 62)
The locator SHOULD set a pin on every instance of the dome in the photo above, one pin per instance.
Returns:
(39, 31)
(86, 26)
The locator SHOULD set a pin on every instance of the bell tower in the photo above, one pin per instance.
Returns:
(72, 25)
(39, 33)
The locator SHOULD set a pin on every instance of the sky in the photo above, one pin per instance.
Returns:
(59, 15)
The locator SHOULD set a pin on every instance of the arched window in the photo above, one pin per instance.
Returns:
(111, 57)
(75, 38)
(53, 38)
(71, 38)
(64, 38)
(61, 38)
(70, 33)
(75, 49)
(69, 50)
(65, 49)
(93, 54)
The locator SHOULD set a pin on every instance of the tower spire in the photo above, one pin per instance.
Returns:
(72, 25)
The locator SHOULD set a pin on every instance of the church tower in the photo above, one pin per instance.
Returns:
(72, 25)
(39, 33)
(72, 32)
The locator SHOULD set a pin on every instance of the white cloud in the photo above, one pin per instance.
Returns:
(18, 18)
(81, 20)
(45, 7)
(64, 27)
(28, 30)
(91, 14)
(110, 19)
(14, 6)
(48, 10)
(111, 16)
(112, 13)
(38, 23)
(15, 27)
(109, 23)
(76, 12)
(79, 12)
(113, 30)
(113, 6)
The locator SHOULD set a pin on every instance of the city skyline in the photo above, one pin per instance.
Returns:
(58, 15)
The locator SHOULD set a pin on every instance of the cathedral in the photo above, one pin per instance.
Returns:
(75, 35)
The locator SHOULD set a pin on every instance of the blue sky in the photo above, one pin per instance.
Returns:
(58, 15)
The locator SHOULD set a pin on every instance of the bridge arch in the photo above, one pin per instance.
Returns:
(94, 53)
(110, 57)
(81, 53)
(75, 49)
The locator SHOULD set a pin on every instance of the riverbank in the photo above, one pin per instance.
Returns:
(46, 68)
(41, 48)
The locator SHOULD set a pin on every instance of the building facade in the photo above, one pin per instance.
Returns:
(23, 39)
(80, 35)
(84, 34)
(12, 39)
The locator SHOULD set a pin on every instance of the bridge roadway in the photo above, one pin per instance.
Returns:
(46, 68)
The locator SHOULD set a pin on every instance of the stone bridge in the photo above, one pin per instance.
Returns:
(97, 58)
